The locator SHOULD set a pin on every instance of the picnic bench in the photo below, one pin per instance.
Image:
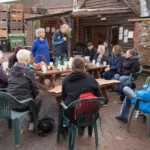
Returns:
(104, 85)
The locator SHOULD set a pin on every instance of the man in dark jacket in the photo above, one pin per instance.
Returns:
(22, 84)
(77, 82)
(129, 64)
(3, 75)
(90, 51)
(60, 47)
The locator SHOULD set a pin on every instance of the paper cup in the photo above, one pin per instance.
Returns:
(97, 64)
(104, 63)
(64, 68)
(51, 64)
(93, 62)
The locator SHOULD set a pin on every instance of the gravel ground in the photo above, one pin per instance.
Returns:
(112, 133)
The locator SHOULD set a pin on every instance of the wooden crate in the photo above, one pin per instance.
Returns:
(16, 8)
(3, 25)
(4, 7)
(3, 16)
(3, 33)
(16, 31)
(15, 25)
(16, 16)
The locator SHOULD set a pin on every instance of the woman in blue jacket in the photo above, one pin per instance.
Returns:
(114, 63)
(40, 47)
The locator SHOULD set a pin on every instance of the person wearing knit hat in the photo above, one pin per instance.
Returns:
(12, 59)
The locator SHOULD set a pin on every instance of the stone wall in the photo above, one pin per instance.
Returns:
(142, 41)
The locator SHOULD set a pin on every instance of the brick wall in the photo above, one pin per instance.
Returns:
(142, 41)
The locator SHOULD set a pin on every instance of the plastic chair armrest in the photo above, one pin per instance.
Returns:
(63, 105)
(141, 99)
(26, 101)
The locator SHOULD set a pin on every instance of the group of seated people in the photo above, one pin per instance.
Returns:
(119, 65)
(22, 84)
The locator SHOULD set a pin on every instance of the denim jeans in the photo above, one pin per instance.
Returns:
(122, 84)
(62, 57)
(125, 108)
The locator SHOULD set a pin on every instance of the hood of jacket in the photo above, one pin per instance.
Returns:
(18, 69)
(135, 56)
(40, 41)
(76, 76)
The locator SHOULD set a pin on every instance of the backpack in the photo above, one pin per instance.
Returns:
(45, 125)
(83, 109)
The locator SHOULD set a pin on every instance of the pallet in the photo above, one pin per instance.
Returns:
(16, 31)
(4, 7)
(16, 16)
(3, 24)
(16, 25)
(3, 33)
(18, 8)
(3, 16)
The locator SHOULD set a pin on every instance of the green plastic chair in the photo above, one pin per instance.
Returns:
(130, 81)
(3, 89)
(86, 118)
(135, 108)
(14, 118)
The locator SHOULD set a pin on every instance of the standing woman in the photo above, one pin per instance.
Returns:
(40, 47)
(100, 56)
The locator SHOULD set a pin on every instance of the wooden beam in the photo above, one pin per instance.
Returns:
(83, 2)
(131, 7)
(63, 20)
(139, 19)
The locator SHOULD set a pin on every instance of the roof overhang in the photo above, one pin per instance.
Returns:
(49, 15)
(100, 11)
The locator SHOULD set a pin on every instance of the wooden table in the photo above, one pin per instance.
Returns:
(53, 75)
(104, 85)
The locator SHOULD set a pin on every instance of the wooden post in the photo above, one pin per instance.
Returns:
(70, 40)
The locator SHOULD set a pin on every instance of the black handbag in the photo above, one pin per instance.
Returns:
(45, 125)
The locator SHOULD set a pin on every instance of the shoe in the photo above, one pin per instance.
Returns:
(64, 131)
(81, 131)
(31, 126)
(124, 120)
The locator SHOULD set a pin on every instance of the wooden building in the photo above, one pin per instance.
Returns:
(98, 21)
(93, 20)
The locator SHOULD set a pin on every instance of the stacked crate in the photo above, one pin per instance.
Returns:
(3, 20)
(16, 18)
(3, 26)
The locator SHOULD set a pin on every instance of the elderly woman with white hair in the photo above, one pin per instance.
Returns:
(60, 47)
(40, 47)
(22, 83)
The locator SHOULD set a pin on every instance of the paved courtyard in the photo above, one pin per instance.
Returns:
(112, 133)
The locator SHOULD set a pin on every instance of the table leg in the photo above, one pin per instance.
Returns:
(58, 99)
(104, 93)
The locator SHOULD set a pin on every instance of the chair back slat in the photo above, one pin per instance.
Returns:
(86, 112)
(5, 108)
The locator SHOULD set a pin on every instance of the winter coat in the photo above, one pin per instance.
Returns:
(130, 65)
(40, 50)
(22, 82)
(90, 53)
(104, 58)
(144, 94)
(74, 84)
(3, 78)
(60, 47)
(114, 62)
